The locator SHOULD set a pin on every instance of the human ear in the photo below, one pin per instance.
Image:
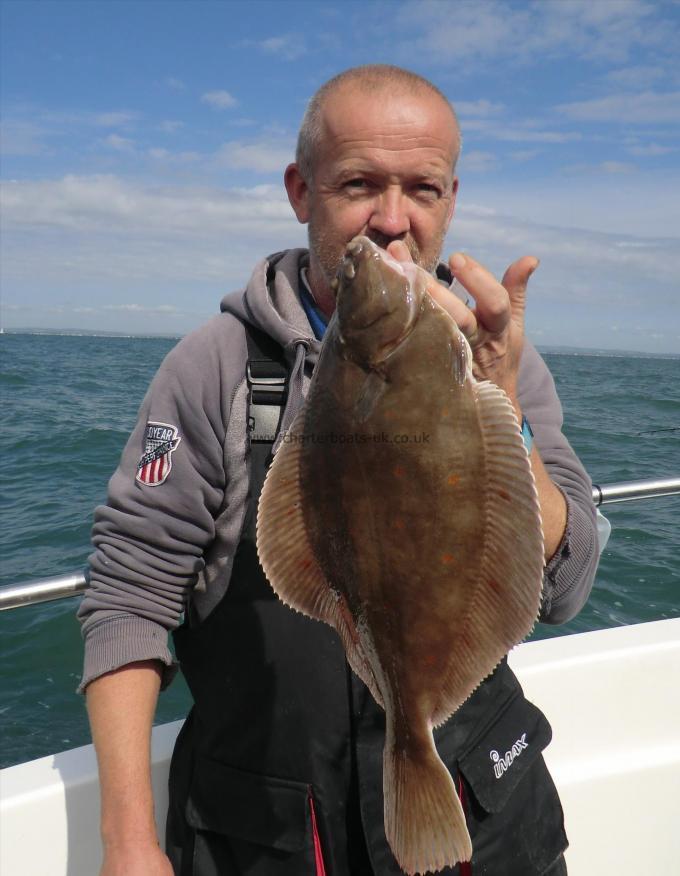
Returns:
(298, 192)
(452, 206)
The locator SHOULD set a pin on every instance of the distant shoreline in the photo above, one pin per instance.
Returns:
(542, 348)
(88, 333)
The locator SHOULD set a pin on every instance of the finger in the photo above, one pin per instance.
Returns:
(459, 312)
(399, 251)
(492, 300)
(515, 281)
(457, 309)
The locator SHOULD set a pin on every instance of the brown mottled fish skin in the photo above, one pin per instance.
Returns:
(402, 510)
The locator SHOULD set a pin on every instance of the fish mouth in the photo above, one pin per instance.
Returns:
(378, 300)
(364, 247)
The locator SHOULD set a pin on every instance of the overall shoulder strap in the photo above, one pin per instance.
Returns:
(267, 376)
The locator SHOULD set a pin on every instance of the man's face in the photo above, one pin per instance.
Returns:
(384, 169)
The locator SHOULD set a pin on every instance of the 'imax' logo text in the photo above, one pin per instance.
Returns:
(501, 764)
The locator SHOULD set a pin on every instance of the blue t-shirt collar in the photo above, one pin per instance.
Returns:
(316, 318)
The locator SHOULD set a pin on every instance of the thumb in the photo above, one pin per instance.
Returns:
(515, 281)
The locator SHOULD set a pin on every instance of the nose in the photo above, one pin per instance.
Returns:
(390, 215)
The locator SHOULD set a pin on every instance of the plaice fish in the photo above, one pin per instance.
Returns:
(401, 509)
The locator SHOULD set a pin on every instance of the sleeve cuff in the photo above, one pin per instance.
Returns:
(122, 639)
(570, 572)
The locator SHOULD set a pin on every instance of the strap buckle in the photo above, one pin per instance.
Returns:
(266, 397)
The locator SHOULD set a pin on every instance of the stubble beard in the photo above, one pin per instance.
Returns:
(327, 252)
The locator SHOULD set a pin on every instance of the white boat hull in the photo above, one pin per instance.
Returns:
(613, 701)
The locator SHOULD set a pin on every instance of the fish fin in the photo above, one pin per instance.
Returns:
(424, 820)
(289, 562)
(507, 595)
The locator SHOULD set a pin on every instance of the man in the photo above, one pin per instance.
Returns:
(278, 768)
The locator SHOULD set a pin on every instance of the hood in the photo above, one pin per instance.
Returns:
(271, 303)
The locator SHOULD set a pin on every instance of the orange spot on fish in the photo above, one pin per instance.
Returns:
(305, 564)
(399, 524)
(430, 659)
(399, 471)
(452, 480)
(494, 585)
(504, 495)
(447, 559)
(445, 413)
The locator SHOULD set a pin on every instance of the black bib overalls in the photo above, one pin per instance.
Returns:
(278, 768)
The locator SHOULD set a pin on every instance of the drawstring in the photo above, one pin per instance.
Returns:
(297, 348)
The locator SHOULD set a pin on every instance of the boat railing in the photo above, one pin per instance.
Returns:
(74, 583)
(627, 491)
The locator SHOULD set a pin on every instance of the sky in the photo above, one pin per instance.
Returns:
(144, 143)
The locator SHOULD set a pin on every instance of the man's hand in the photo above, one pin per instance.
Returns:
(136, 860)
(495, 327)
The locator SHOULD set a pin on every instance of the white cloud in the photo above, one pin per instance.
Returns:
(186, 157)
(631, 109)
(608, 31)
(586, 251)
(263, 157)
(616, 167)
(169, 126)
(481, 107)
(584, 278)
(113, 119)
(588, 199)
(175, 84)
(524, 154)
(128, 251)
(120, 144)
(219, 99)
(519, 135)
(476, 161)
(15, 308)
(107, 204)
(30, 130)
(528, 132)
(290, 47)
(651, 149)
(637, 76)
(158, 310)
(637, 244)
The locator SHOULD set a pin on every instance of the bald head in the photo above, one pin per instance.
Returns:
(371, 79)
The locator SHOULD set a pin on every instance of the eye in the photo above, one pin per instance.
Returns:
(357, 183)
(428, 190)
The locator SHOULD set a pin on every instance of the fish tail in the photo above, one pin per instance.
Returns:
(424, 820)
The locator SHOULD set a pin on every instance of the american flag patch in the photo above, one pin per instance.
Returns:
(160, 440)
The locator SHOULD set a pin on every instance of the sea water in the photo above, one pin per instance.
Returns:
(69, 402)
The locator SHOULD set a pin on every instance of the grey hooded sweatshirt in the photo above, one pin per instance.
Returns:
(165, 540)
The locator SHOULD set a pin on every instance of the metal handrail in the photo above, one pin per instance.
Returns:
(62, 586)
(626, 491)
(42, 590)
